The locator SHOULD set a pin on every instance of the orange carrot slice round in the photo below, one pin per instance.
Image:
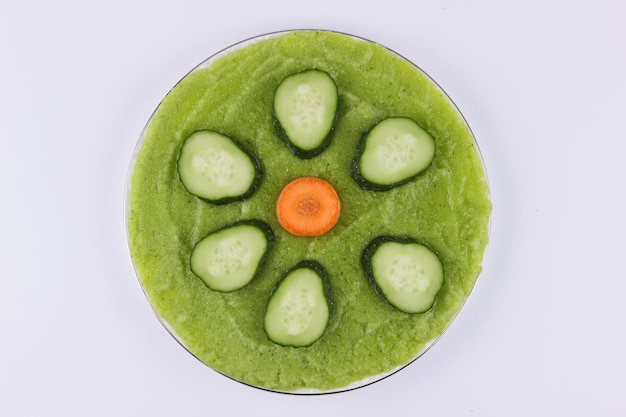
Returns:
(308, 206)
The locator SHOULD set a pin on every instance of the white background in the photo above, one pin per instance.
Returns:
(541, 83)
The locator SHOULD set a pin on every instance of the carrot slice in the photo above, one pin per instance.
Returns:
(308, 206)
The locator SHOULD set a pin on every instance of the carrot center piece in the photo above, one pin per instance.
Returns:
(308, 206)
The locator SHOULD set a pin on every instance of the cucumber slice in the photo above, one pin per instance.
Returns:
(229, 258)
(217, 169)
(406, 273)
(305, 109)
(299, 309)
(393, 152)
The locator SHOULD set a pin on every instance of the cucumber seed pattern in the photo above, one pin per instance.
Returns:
(308, 108)
(217, 166)
(407, 275)
(228, 257)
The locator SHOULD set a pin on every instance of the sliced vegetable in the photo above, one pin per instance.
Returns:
(229, 258)
(305, 108)
(308, 206)
(393, 152)
(299, 308)
(404, 272)
(216, 168)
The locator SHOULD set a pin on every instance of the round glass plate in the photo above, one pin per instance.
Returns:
(447, 207)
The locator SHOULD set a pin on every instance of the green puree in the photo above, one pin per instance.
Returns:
(447, 208)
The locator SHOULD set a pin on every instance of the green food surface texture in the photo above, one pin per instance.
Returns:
(446, 207)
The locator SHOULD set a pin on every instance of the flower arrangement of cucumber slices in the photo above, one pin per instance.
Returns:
(213, 167)
(307, 211)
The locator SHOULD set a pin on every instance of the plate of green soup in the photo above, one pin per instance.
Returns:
(307, 212)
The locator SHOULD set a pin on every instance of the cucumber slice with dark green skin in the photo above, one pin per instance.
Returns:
(299, 307)
(216, 168)
(229, 258)
(404, 272)
(392, 153)
(305, 110)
